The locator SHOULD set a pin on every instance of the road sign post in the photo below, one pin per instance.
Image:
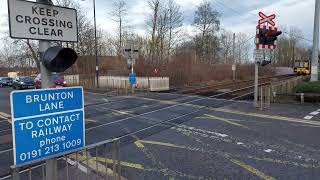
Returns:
(46, 123)
(234, 67)
(132, 80)
(131, 55)
(41, 21)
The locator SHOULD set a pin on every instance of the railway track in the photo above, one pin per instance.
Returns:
(209, 90)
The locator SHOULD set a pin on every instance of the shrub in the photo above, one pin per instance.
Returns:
(308, 87)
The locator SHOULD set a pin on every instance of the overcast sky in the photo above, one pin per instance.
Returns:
(236, 15)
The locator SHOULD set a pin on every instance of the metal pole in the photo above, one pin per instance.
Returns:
(51, 164)
(132, 85)
(15, 173)
(45, 73)
(233, 56)
(96, 43)
(315, 49)
(261, 98)
(256, 76)
(234, 75)
(234, 48)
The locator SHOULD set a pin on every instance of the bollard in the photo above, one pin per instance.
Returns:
(302, 98)
(269, 97)
(126, 87)
(274, 96)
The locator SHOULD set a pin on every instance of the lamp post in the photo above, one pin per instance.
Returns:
(95, 42)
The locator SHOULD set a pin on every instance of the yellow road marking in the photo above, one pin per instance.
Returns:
(239, 163)
(250, 157)
(94, 165)
(161, 144)
(137, 140)
(205, 117)
(252, 169)
(122, 163)
(229, 121)
(139, 144)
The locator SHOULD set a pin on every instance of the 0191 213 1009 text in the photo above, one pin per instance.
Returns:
(50, 135)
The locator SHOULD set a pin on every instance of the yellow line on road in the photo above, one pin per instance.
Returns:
(122, 163)
(137, 140)
(139, 144)
(229, 121)
(161, 144)
(95, 165)
(237, 162)
(252, 169)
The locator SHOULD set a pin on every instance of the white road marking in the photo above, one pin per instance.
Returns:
(315, 113)
(308, 117)
(80, 166)
(268, 150)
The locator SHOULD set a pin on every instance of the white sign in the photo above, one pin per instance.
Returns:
(233, 67)
(30, 20)
(259, 54)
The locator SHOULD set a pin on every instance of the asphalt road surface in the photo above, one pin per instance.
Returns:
(199, 138)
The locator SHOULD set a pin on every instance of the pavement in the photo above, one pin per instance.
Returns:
(192, 137)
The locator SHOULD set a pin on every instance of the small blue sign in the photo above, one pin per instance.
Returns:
(46, 122)
(132, 78)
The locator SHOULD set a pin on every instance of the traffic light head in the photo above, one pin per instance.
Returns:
(268, 37)
(129, 66)
(59, 59)
(264, 63)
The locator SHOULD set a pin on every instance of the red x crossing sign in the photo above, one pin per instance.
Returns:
(267, 19)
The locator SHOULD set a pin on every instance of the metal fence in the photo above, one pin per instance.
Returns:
(95, 162)
(120, 82)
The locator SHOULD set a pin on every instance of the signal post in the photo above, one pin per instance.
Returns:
(266, 36)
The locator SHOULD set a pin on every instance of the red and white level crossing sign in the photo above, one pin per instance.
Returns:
(267, 19)
(271, 29)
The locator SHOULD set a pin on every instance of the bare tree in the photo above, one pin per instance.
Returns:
(226, 41)
(242, 48)
(207, 21)
(154, 5)
(118, 15)
(175, 21)
(290, 48)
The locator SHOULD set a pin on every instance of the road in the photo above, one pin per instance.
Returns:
(200, 138)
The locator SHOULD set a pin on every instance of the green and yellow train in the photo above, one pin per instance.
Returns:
(302, 67)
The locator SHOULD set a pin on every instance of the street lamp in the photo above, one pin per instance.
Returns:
(95, 41)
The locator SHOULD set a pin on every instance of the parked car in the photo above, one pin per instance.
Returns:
(56, 79)
(23, 82)
(5, 81)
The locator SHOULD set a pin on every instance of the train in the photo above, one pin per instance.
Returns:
(302, 67)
